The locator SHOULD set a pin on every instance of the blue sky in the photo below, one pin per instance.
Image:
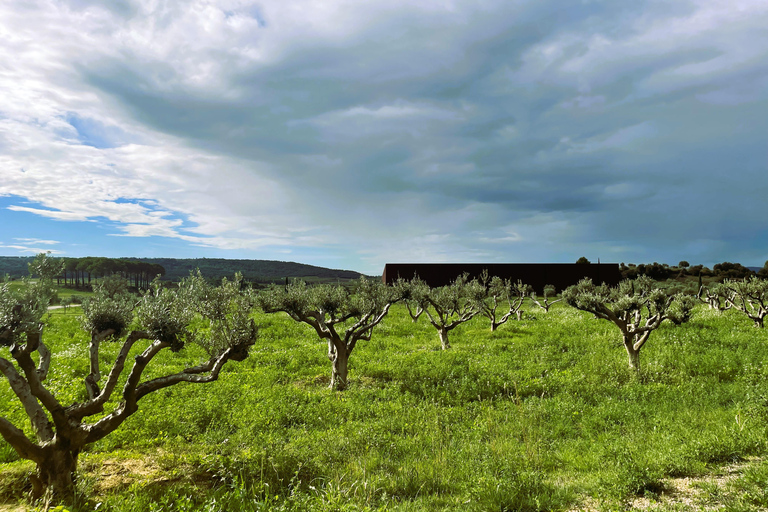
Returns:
(350, 134)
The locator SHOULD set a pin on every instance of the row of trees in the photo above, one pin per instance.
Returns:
(636, 307)
(342, 318)
(749, 296)
(662, 271)
(77, 272)
(218, 319)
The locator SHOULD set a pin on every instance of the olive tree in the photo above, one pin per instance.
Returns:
(501, 291)
(449, 306)
(410, 293)
(160, 320)
(637, 308)
(545, 303)
(750, 296)
(716, 296)
(681, 308)
(337, 316)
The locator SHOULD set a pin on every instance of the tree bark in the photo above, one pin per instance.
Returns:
(56, 473)
(633, 355)
(339, 370)
(443, 332)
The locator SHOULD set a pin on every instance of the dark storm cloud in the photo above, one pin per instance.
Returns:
(467, 123)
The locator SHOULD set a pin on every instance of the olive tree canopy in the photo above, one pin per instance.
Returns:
(750, 296)
(449, 306)
(340, 317)
(502, 292)
(160, 320)
(636, 307)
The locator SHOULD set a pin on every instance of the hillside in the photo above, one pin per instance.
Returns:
(215, 268)
(252, 270)
(14, 266)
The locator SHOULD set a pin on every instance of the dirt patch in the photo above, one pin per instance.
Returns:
(692, 492)
(159, 468)
(116, 474)
(684, 493)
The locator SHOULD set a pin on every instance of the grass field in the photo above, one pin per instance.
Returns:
(61, 293)
(542, 414)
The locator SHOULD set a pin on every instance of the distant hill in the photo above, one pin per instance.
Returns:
(260, 271)
(14, 266)
(252, 270)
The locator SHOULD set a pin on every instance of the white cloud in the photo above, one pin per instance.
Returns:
(29, 249)
(53, 214)
(375, 131)
(36, 241)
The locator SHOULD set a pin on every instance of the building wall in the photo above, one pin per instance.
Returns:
(561, 275)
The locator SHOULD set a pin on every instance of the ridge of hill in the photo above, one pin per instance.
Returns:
(252, 270)
(214, 268)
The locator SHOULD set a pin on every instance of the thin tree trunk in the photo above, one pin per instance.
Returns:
(339, 370)
(633, 355)
(443, 332)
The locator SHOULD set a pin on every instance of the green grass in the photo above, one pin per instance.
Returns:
(543, 414)
(70, 292)
(61, 293)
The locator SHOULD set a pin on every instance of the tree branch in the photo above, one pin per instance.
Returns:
(92, 379)
(213, 366)
(641, 341)
(36, 387)
(34, 411)
(129, 405)
(414, 316)
(96, 405)
(16, 438)
(45, 360)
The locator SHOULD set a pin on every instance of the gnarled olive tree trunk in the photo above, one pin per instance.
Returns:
(62, 432)
(339, 357)
(55, 472)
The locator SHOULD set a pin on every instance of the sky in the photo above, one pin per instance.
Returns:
(350, 134)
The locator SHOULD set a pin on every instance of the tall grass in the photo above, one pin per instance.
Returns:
(542, 414)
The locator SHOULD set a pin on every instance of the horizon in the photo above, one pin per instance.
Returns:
(629, 264)
(348, 136)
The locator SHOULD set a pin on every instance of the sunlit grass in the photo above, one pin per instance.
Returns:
(542, 414)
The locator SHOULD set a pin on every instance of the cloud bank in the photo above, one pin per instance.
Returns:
(351, 134)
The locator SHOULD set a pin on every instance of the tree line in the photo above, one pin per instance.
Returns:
(218, 319)
(78, 272)
(256, 272)
(662, 271)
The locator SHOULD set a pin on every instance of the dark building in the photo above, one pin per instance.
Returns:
(538, 275)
